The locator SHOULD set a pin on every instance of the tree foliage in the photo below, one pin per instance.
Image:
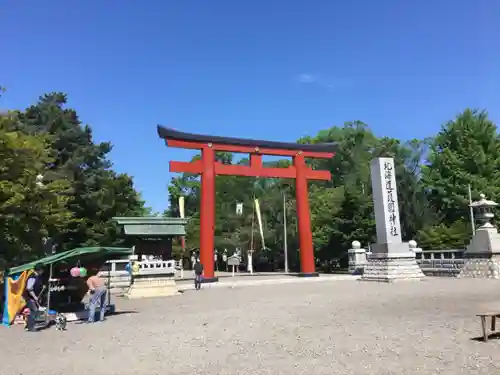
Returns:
(28, 211)
(79, 193)
(432, 174)
(465, 151)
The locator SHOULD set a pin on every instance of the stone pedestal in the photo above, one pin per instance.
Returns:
(484, 268)
(391, 259)
(482, 257)
(250, 261)
(357, 259)
(392, 266)
(144, 286)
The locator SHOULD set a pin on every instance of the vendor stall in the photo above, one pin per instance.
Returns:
(65, 288)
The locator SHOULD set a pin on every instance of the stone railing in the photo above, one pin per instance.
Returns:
(440, 262)
(440, 254)
(157, 267)
(432, 262)
(118, 278)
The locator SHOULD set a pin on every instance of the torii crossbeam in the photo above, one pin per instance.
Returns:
(208, 168)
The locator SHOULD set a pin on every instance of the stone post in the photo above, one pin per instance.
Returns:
(357, 259)
(482, 256)
(391, 259)
(414, 249)
(250, 261)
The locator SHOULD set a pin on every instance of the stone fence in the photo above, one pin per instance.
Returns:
(118, 278)
(440, 262)
(432, 262)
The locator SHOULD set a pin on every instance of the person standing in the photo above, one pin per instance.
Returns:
(198, 272)
(32, 291)
(98, 293)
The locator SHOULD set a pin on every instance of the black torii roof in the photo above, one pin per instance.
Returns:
(168, 133)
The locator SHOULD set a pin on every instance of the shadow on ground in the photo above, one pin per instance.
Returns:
(491, 336)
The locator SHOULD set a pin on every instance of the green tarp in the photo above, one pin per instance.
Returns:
(79, 254)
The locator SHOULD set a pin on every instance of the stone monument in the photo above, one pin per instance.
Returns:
(391, 259)
(482, 256)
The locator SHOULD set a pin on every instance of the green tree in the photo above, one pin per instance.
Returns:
(355, 221)
(98, 192)
(465, 151)
(325, 206)
(350, 201)
(441, 236)
(414, 208)
(356, 147)
(33, 205)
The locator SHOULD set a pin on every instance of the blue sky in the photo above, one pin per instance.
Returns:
(268, 69)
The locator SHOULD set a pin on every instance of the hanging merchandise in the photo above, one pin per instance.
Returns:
(75, 271)
(83, 272)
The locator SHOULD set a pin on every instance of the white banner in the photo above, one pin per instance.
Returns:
(181, 207)
(239, 209)
(259, 219)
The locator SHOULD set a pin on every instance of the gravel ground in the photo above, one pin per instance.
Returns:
(338, 327)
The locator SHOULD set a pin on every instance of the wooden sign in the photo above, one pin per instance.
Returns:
(233, 261)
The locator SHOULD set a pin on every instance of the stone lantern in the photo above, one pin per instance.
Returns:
(482, 256)
(484, 209)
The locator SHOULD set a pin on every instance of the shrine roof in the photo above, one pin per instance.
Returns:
(152, 225)
(171, 134)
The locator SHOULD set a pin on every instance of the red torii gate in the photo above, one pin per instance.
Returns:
(208, 168)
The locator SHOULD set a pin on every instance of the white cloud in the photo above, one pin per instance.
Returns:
(307, 78)
(320, 81)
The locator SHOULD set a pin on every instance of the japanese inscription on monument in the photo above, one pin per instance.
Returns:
(391, 204)
(385, 198)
